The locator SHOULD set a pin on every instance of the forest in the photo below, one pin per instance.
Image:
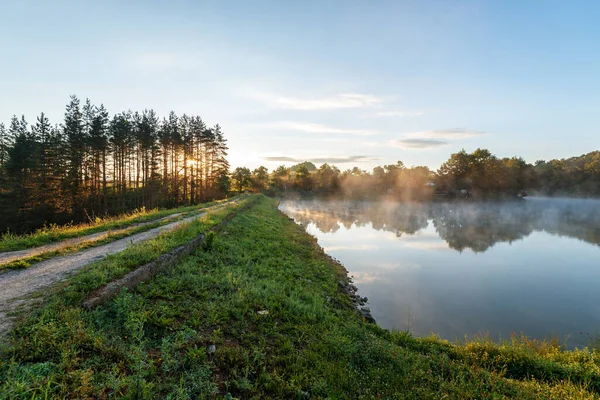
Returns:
(93, 164)
(479, 174)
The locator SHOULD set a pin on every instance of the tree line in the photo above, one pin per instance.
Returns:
(95, 164)
(479, 174)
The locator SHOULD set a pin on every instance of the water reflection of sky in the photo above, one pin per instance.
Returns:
(540, 283)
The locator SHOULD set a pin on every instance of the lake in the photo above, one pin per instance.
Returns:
(469, 268)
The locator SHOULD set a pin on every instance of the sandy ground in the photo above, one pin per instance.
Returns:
(18, 285)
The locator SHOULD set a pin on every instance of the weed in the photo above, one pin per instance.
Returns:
(209, 240)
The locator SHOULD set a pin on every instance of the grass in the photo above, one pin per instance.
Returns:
(55, 233)
(260, 314)
(27, 262)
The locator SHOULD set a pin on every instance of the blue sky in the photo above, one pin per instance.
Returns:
(360, 83)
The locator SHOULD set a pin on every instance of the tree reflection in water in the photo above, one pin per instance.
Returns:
(463, 225)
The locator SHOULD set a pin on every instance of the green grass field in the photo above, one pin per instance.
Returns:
(259, 315)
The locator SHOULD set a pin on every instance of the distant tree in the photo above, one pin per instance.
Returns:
(412, 183)
(572, 176)
(327, 178)
(223, 182)
(279, 177)
(241, 177)
(309, 166)
(454, 173)
(260, 179)
(220, 165)
(218, 157)
(303, 180)
(380, 179)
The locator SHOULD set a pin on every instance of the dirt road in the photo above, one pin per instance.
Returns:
(18, 284)
(9, 256)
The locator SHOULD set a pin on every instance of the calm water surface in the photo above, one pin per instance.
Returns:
(460, 268)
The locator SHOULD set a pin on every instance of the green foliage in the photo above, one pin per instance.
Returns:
(209, 240)
(482, 174)
(310, 167)
(261, 315)
(576, 175)
(279, 178)
(302, 178)
(18, 264)
(327, 178)
(242, 178)
(260, 179)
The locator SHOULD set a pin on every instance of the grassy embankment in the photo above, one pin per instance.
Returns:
(55, 233)
(260, 315)
(149, 220)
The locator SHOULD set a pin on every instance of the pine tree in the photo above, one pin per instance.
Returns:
(42, 132)
(5, 144)
(165, 147)
(21, 166)
(175, 135)
(120, 134)
(146, 129)
(98, 147)
(74, 133)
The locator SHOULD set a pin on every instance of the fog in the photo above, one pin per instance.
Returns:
(462, 224)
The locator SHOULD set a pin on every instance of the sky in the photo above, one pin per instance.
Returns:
(353, 83)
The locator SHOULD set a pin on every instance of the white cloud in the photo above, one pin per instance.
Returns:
(396, 113)
(318, 128)
(344, 100)
(446, 134)
(418, 143)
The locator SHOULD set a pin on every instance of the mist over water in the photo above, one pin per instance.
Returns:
(465, 268)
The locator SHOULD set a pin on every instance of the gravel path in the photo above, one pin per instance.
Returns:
(18, 284)
(9, 256)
